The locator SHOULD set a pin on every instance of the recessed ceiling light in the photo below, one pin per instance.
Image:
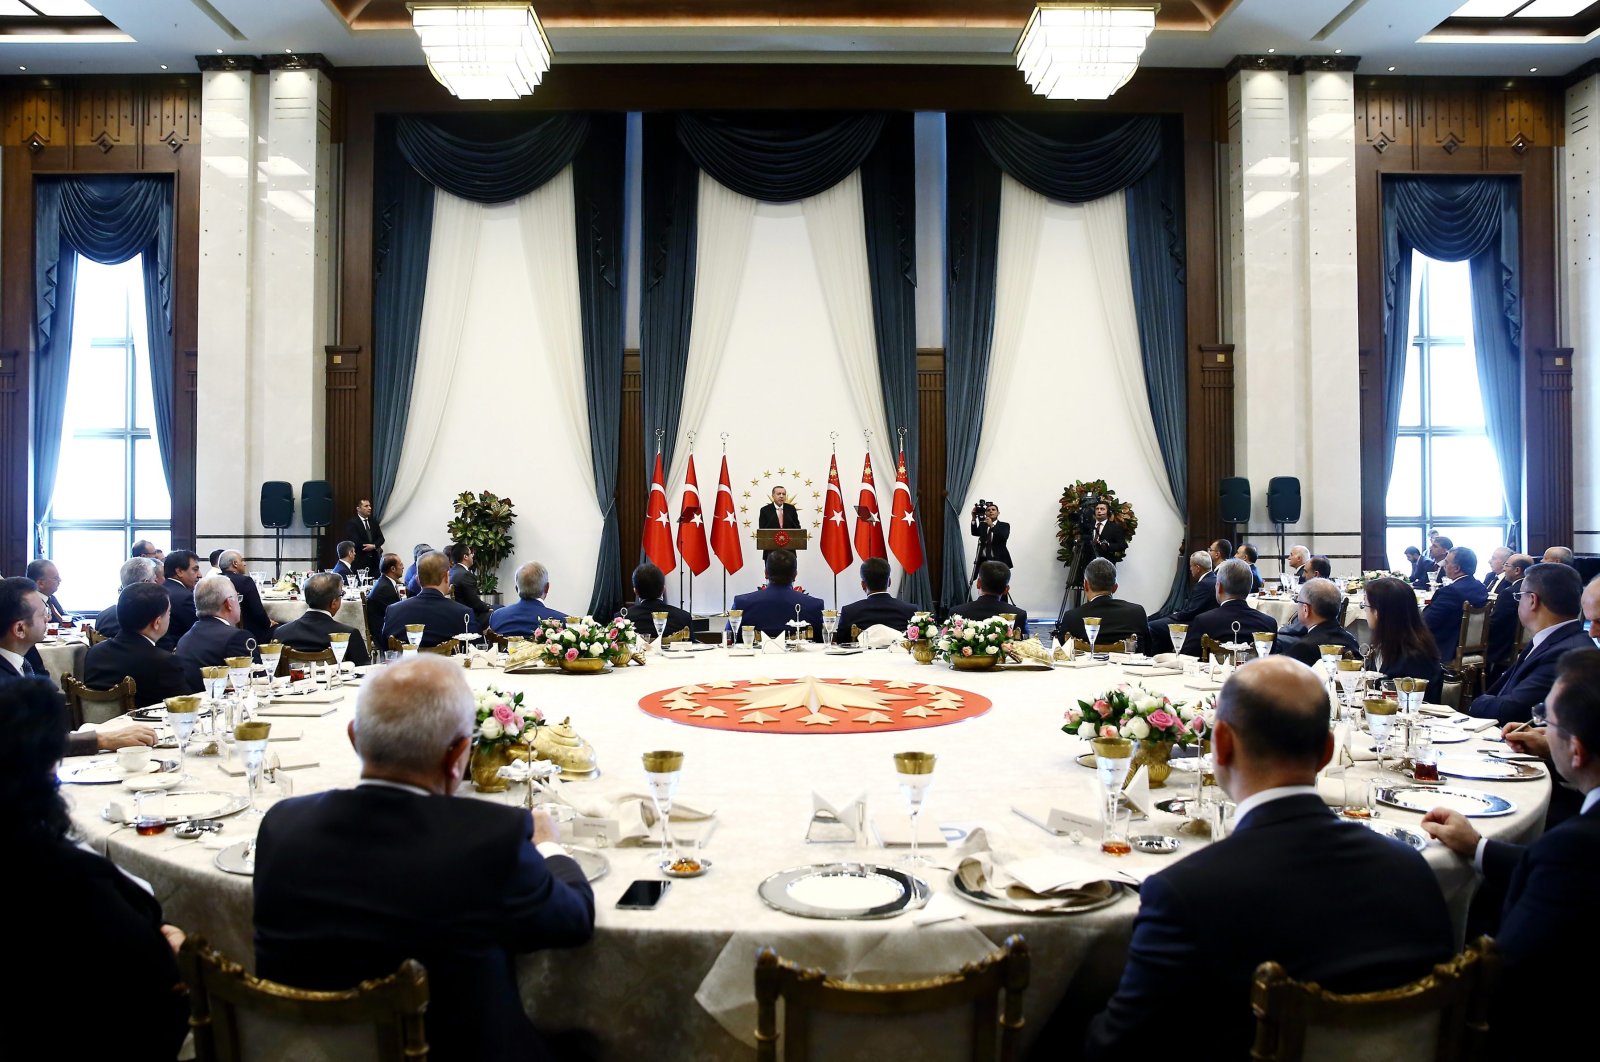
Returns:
(219, 51)
(1271, 50)
(1338, 51)
(1533, 70)
(22, 68)
(163, 66)
(1391, 70)
(288, 51)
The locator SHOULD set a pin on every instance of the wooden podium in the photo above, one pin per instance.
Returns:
(771, 538)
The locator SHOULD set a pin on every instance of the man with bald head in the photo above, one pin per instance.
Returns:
(252, 613)
(1558, 555)
(1255, 896)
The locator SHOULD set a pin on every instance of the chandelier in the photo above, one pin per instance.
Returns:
(1082, 51)
(483, 51)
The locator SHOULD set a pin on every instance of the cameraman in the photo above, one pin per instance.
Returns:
(991, 533)
(1107, 537)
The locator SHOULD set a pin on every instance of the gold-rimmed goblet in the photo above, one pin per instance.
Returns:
(916, 775)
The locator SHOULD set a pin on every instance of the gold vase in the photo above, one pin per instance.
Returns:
(922, 651)
(584, 664)
(974, 663)
(621, 657)
(485, 766)
(1156, 755)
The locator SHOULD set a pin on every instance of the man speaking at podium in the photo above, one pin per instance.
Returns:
(778, 513)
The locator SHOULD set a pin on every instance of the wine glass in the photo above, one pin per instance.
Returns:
(1091, 627)
(830, 623)
(1380, 713)
(182, 715)
(661, 770)
(414, 634)
(1178, 632)
(1330, 656)
(1112, 758)
(916, 774)
(1286, 581)
(658, 620)
(1264, 640)
(1409, 691)
(735, 620)
(1351, 678)
(339, 642)
(250, 737)
(271, 653)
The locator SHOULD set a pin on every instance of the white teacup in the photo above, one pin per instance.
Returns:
(134, 758)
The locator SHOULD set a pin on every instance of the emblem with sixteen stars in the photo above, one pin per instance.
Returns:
(814, 705)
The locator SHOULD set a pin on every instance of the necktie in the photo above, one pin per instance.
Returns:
(780, 516)
(27, 669)
(366, 528)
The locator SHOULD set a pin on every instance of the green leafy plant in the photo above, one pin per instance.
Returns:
(1067, 532)
(483, 523)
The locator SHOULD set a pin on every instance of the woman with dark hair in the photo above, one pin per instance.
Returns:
(98, 958)
(1402, 646)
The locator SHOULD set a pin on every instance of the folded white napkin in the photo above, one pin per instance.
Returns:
(300, 708)
(773, 643)
(941, 907)
(1137, 791)
(894, 831)
(288, 760)
(880, 636)
(835, 824)
(1060, 878)
(635, 814)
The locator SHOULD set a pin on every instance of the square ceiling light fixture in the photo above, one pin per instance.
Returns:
(483, 51)
(1082, 51)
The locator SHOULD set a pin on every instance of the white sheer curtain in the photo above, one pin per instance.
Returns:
(721, 249)
(836, 228)
(1106, 222)
(451, 255)
(1021, 221)
(549, 247)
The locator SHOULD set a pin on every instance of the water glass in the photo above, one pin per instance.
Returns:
(916, 775)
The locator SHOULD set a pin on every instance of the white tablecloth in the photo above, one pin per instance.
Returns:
(64, 657)
(635, 984)
(283, 610)
(1284, 609)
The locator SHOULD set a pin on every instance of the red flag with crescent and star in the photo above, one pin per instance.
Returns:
(692, 526)
(903, 537)
(658, 524)
(725, 525)
(835, 528)
(869, 527)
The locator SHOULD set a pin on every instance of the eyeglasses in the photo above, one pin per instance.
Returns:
(1541, 717)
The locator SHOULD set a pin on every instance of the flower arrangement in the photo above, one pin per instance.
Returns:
(622, 639)
(576, 639)
(503, 719)
(547, 636)
(1067, 532)
(963, 637)
(922, 627)
(1136, 713)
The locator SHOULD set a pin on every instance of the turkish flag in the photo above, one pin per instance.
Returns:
(869, 528)
(903, 537)
(658, 524)
(725, 526)
(835, 529)
(692, 526)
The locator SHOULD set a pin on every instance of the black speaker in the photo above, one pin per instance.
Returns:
(1283, 499)
(1235, 500)
(277, 503)
(316, 503)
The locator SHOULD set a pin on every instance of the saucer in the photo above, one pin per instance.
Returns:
(145, 783)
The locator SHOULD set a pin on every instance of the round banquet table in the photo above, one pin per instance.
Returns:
(1284, 609)
(676, 981)
(283, 609)
(64, 655)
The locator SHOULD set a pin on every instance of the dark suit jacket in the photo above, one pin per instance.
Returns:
(310, 633)
(1526, 682)
(341, 569)
(1202, 598)
(1113, 542)
(1118, 620)
(252, 612)
(1307, 648)
(1420, 570)
(882, 607)
(80, 904)
(464, 588)
(987, 606)
(769, 609)
(209, 643)
(379, 598)
(991, 543)
(521, 617)
(768, 517)
(1503, 624)
(351, 881)
(410, 580)
(365, 559)
(156, 672)
(677, 618)
(107, 623)
(54, 612)
(1423, 667)
(1218, 623)
(183, 613)
(1206, 923)
(1442, 617)
(442, 618)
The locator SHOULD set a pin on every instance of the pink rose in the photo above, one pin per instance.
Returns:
(1101, 706)
(572, 654)
(966, 650)
(1108, 731)
(503, 714)
(1074, 716)
(517, 719)
(1162, 719)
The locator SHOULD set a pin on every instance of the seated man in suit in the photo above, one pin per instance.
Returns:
(47, 577)
(1545, 882)
(521, 616)
(769, 609)
(1442, 617)
(182, 569)
(23, 619)
(650, 588)
(1299, 557)
(344, 566)
(145, 548)
(464, 583)
(879, 606)
(1118, 619)
(1557, 555)
(1232, 611)
(441, 618)
(993, 587)
(1318, 567)
(1202, 598)
(465, 885)
(133, 570)
(1320, 600)
(253, 614)
(215, 635)
(1250, 897)
(143, 612)
(312, 631)
(386, 590)
(1548, 606)
(1503, 622)
(1498, 578)
(1420, 567)
(410, 579)
(1249, 554)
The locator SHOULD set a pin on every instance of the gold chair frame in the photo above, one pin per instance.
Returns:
(442, 649)
(292, 656)
(125, 695)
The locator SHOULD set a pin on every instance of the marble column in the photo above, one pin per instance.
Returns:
(1580, 225)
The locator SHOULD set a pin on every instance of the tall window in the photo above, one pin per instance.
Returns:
(1446, 477)
(110, 488)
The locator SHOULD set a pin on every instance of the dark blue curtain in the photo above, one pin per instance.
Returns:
(668, 215)
(1452, 219)
(782, 159)
(1073, 159)
(491, 159)
(107, 219)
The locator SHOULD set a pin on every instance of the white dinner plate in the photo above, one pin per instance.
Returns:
(1489, 768)
(176, 807)
(102, 770)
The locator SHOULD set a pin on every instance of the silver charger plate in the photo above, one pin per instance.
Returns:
(1473, 803)
(593, 864)
(1507, 754)
(1105, 894)
(1409, 836)
(180, 807)
(231, 860)
(102, 770)
(901, 891)
(1485, 768)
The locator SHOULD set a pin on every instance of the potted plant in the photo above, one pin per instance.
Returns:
(1150, 719)
(920, 633)
(503, 722)
(483, 523)
(973, 645)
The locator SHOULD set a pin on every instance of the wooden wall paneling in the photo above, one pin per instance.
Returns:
(14, 462)
(342, 371)
(1550, 486)
(1211, 453)
(1204, 116)
(931, 461)
(1448, 116)
(632, 488)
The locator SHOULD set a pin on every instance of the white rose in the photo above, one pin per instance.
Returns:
(1185, 712)
(596, 649)
(1137, 728)
(491, 729)
(1086, 729)
(1148, 704)
(993, 650)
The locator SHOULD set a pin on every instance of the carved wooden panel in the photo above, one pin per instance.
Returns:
(1381, 120)
(1210, 440)
(172, 113)
(1448, 118)
(104, 114)
(931, 460)
(1549, 452)
(36, 117)
(343, 452)
(1518, 118)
